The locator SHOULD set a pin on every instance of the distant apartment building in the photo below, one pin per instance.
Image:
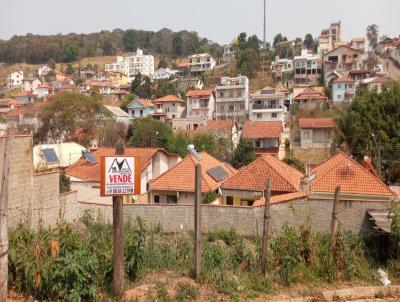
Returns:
(341, 62)
(307, 69)
(232, 99)
(343, 89)
(14, 79)
(267, 105)
(133, 65)
(200, 104)
(200, 63)
(280, 67)
(330, 36)
(229, 54)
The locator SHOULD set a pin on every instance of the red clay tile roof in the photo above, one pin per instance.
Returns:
(168, 98)
(10, 102)
(45, 85)
(145, 102)
(352, 178)
(281, 198)
(262, 129)
(311, 94)
(253, 177)
(217, 125)
(321, 122)
(382, 80)
(181, 176)
(199, 93)
(344, 80)
(91, 172)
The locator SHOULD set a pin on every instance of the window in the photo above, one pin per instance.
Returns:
(156, 199)
(258, 144)
(274, 115)
(239, 93)
(231, 94)
(350, 86)
(306, 135)
(339, 86)
(172, 199)
(230, 108)
(229, 200)
(339, 96)
(259, 115)
(246, 203)
(141, 113)
(221, 94)
(173, 104)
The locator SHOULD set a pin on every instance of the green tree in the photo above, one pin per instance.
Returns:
(279, 38)
(177, 45)
(107, 47)
(162, 63)
(244, 154)
(204, 142)
(372, 36)
(65, 182)
(247, 61)
(70, 54)
(178, 143)
(129, 39)
(69, 70)
(308, 41)
(147, 132)
(51, 63)
(67, 117)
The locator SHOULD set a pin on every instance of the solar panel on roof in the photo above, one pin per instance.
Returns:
(217, 173)
(89, 156)
(50, 156)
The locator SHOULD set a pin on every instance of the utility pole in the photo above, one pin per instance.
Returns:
(118, 236)
(5, 177)
(264, 252)
(334, 223)
(197, 222)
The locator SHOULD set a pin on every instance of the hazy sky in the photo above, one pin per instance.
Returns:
(218, 20)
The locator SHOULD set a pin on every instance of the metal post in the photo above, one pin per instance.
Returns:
(267, 197)
(197, 222)
(8, 151)
(118, 235)
(334, 222)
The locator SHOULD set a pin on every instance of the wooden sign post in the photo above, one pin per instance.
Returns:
(120, 176)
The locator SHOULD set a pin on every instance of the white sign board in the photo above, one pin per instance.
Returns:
(120, 175)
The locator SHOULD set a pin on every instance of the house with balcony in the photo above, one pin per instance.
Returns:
(133, 65)
(140, 108)
(267, 104)
(200, 63)
(358, 43)
(310, 98)
(168, 108)
(165, 73)
(232, 99)
(343, 89)
(281, 69)
(200, 104)
(229, 54)
(266, 136)
(329, 37)
(340, 62)
(307, 69)
(14, 79)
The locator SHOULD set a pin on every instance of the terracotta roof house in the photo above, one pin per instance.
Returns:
(177, 185)
(266, 136)
(168, 107)
(310, 98)
(356, 182)
(343, 89)
(377, 83)
(85, 174)
(139, 108)
(200, 104)
(247, 186)
(315, 133)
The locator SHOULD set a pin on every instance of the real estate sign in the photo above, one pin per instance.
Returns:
(120, 175)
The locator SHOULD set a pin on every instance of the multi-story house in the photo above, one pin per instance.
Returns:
(307, 69)
(200, 63)
(343, 89)
(232, 99)
(358, 43)
(330, 36)
(14, 79)
(139, 108)
(44, 90)
(133, 65)
(43, 70)
(200, 104)
(31, 85)
(168, 108)
(341, 61)
(229, 54)
(267, 104)
(280, 67)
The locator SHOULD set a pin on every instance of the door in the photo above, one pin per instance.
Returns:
(229, 200)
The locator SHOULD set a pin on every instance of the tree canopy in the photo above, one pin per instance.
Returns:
(69, 116)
